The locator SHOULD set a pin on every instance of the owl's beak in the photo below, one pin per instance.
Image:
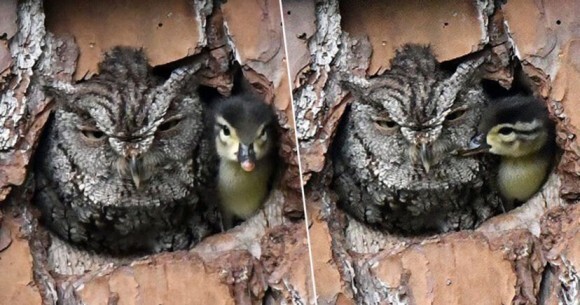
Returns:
(477, 145)
(134, 167)
(247, 157)
(426, 157)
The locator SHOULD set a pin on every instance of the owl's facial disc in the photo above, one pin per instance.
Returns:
(134, 159)
(425, 148)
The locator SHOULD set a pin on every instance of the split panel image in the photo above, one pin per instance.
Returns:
(289, 152)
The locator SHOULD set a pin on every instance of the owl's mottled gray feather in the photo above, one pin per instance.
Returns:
(394, 161)
(120, 167)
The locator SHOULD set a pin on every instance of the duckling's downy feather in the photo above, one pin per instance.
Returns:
(527, 153)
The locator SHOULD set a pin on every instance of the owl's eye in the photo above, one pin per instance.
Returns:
(386, 124)
(92, 134)
(455, 114)
(225, 130)
(169, 124)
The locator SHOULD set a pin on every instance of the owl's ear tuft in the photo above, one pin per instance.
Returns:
(58, 90)
(126, 62)
(355, 84)
(182, 79)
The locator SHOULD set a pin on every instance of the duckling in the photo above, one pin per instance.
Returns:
(244, 141)
(519, 130)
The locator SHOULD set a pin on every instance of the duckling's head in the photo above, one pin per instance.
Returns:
(513, 127)
(244, 130)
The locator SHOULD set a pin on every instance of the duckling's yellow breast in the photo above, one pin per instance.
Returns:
(520, 178)
(242, 193)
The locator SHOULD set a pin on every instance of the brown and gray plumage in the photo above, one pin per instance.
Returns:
(395, 163)
(519, 130)
(245, 142)
(120, 167)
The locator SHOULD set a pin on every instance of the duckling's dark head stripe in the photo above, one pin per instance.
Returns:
(528, 131)
(514, 110)
(247, 114)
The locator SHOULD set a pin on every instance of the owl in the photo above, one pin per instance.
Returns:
(395, 161)
(119, 169)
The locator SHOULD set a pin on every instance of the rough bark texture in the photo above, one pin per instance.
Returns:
(527, 256)
(264, 260)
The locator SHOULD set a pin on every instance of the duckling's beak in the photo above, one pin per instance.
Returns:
(134, 167)
(247, 157)
(477, 145)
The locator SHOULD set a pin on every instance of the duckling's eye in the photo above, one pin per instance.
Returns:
(455, 114)
(226, 131)
(505, 131)
(92, 134)
(263, 134)
(169, 124)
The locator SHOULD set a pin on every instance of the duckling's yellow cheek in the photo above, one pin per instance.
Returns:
(224, 139)
(492, 140)
(227, 149)
(259, 148)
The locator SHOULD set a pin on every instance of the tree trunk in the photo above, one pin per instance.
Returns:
(527, 256)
